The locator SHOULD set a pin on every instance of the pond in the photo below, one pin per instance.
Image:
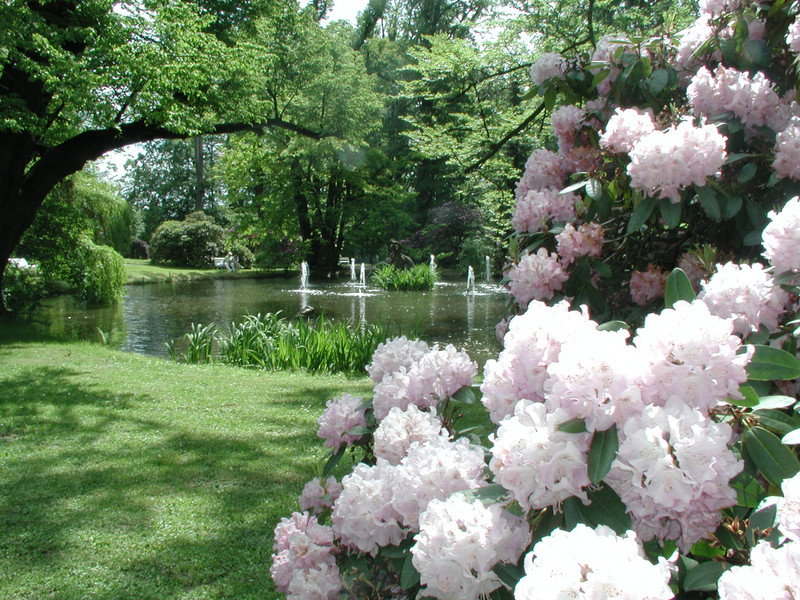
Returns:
(153, 314)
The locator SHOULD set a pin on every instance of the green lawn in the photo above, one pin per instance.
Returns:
(141, 271)
(131, 477)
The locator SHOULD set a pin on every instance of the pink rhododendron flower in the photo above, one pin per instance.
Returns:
(547, 66)
(625, 128)
(592, 564)
(567, 121)
(586, 240)
(691, 39)
(460, 542)
(340, 415)
(673, 472)
(717, 7)
(746, 294)
(544, 169)
(540, 207)
(393, 354)
(536, 277)
(540, 465)
(693, 268)
(317, 496)
(665, 162)
(773, 574)
(320, 583)
(781, 238)
(793, 36)
(303, 545)
(401, 428)
(533, 341)
(753, 100)
(647, 285)
(787, 152)
(693, 355)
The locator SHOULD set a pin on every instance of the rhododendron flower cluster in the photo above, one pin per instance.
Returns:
(673, 472)
(567, 122)
(401, 428)
(460, 542)
(548, 65)
(625, 128)
(304, 559)
(586, 240)
(540, 207)
(536, 277)
(772, 573)
(787, 152)
(793, 36)
(781, 238)
(394, 355)
(318, 496)
(340, 416)
(435, 375)
(745, 293)
(665, 162)
(789, 509)
(592, 564)
(647, 285)
(543, 169)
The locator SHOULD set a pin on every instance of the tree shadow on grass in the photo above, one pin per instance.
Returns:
(180, 512)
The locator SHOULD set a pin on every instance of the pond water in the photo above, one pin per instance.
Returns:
(153, 314)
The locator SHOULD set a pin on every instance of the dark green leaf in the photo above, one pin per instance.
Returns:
(776, 421)
(670, 212)
(602, 453)
(770, 363)
(613, 326)
(573, 426)
(774, 460)
(708, 200)
(658, 80)
(746, 173)
(748, 490)
(678, 288)
(572, 512)
(508, 574)
(704, 577)
(750, 397)
(606, 508)
(640, 214)
(359, 430)
(330, 465)
(464, 396)
(490, 494)
(409, 577)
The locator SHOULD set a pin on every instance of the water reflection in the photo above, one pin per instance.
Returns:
(153, 314)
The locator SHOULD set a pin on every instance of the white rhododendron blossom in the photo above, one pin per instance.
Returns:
(717, 7)
(363, 517)
(586, 240)
(793, 36)
(592, 564)
(317, 496)
(751, 99)
(304, 562)
(665, 162)
(691, 40)
(773, 574)
(693, 355)
(787, 152)
(393, 354)
(540, 465)
(540, 207)
(434, 376)
(435, 469)
(533, 340)
(781, 238)
(745, 293)
(536, 277)
(401, 428)
(459, 543)
(625, 128)
(340, 415)
(789, 508)
(543, 169)
(547, 66)
(598, 378)
(673, 471)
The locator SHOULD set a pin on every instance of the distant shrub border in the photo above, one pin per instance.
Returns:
(418, 278)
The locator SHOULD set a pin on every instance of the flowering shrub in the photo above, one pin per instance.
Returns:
(653, 458)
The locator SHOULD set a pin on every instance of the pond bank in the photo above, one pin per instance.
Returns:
(143, 271)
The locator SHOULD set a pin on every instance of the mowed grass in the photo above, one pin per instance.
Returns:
(123, 476)
(142, 271)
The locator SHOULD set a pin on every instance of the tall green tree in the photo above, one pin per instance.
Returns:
(80, 78)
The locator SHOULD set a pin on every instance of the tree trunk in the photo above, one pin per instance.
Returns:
(198, 173)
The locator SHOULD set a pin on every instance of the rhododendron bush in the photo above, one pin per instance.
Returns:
(637, 434)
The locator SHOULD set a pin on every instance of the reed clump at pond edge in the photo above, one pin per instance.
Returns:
(274, 343)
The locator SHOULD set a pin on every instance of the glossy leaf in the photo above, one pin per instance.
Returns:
(670, 212)
(704, 577)
(606, 508)
(573, 426)
(602, 453)
(464, 396)
(678, 288)
(792, 438)
(708, 200)
(409, 577)
(750, 397)
(770, 363)
(774, 460)
(640, 214)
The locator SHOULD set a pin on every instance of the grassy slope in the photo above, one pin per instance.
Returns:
(141, 271)
(130, 477)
